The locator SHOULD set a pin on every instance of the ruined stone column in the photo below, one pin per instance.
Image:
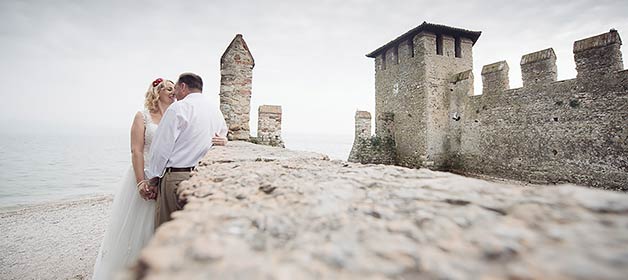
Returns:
(236, 76)
(269, 126)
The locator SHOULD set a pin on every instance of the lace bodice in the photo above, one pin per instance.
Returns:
(149, 132)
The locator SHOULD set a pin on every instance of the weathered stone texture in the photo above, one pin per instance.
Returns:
(269, 126)
(236, 71)
(495, 77)
(413, 86)
(598, 55)
(373, 149)
(538, 68)
(256, 212)
(553, 132)
(548, 131)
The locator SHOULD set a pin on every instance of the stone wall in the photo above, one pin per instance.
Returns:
(269, 126)
(236, 76)
(551, 131)
(411, 79)
(257, 212)
(366, 148)
(548, 131)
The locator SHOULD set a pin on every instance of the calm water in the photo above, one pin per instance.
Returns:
(38, 168)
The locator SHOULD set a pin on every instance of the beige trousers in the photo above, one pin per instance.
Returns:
(167, 196)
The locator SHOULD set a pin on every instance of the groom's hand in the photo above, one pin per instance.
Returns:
(218, 140)
(152, 188)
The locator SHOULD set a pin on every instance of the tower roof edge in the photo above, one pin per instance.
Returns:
(429, 27)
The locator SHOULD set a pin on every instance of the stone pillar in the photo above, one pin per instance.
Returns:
(236, 76)
(269, 126)
(538, 68)
(362, 125)
(361, 150)
(495, 77)
(598, 56)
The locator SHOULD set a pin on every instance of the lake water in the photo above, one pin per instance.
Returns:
(37, 168)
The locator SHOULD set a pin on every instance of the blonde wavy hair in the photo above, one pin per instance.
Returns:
(152, 95)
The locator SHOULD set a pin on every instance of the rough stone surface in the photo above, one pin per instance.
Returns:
(269, 126)
(236, 76)
(259, 212)
(495, 77)
(372, 149)
(538, 68)
(411, 80)
(552, 132)
(545, 132)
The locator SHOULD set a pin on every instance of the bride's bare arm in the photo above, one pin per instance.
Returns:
(137, 146)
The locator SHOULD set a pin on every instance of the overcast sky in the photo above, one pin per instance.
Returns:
(69, 64)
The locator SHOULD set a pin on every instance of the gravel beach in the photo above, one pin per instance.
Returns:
(57, 240)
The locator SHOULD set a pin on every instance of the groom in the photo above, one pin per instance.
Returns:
(181, 140)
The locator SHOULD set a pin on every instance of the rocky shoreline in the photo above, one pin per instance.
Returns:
(58, 240)
(256, 212)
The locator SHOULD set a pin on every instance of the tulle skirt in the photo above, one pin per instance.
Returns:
(131, 225)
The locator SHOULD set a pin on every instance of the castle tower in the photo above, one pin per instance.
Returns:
(236, 76)
(412, 76)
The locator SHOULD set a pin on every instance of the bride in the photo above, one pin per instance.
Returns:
(131, 224)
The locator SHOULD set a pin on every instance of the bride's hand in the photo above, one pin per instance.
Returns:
(144, 190)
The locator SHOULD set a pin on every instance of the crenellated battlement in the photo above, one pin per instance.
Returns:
(598, 55)
(546, 131)
(495, 77)
(426, 39)
(595, 57)
(538, 68)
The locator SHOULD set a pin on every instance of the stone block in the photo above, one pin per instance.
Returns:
(495, 77)
(598, 56)
(538, 67)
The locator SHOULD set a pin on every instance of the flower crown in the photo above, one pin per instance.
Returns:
(157, 82)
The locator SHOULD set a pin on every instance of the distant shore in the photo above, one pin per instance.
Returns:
(56, 240)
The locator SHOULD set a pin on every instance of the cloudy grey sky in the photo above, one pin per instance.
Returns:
(70, 64)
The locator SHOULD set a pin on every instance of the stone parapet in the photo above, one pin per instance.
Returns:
(598, 56)
(602, 40)
(269, 125)
(538, 68)
(465, 75)
(495, 77)
(362, 125)
(258, 212)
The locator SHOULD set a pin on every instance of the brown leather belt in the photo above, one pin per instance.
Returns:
(179, 169)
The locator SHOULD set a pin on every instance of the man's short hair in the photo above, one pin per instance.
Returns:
(192, 80)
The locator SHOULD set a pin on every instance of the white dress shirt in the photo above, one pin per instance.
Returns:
(185, 134)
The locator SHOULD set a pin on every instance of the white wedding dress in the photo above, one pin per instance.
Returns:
(131, 223)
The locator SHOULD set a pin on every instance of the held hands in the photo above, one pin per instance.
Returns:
(218, 140)
(147, 190)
